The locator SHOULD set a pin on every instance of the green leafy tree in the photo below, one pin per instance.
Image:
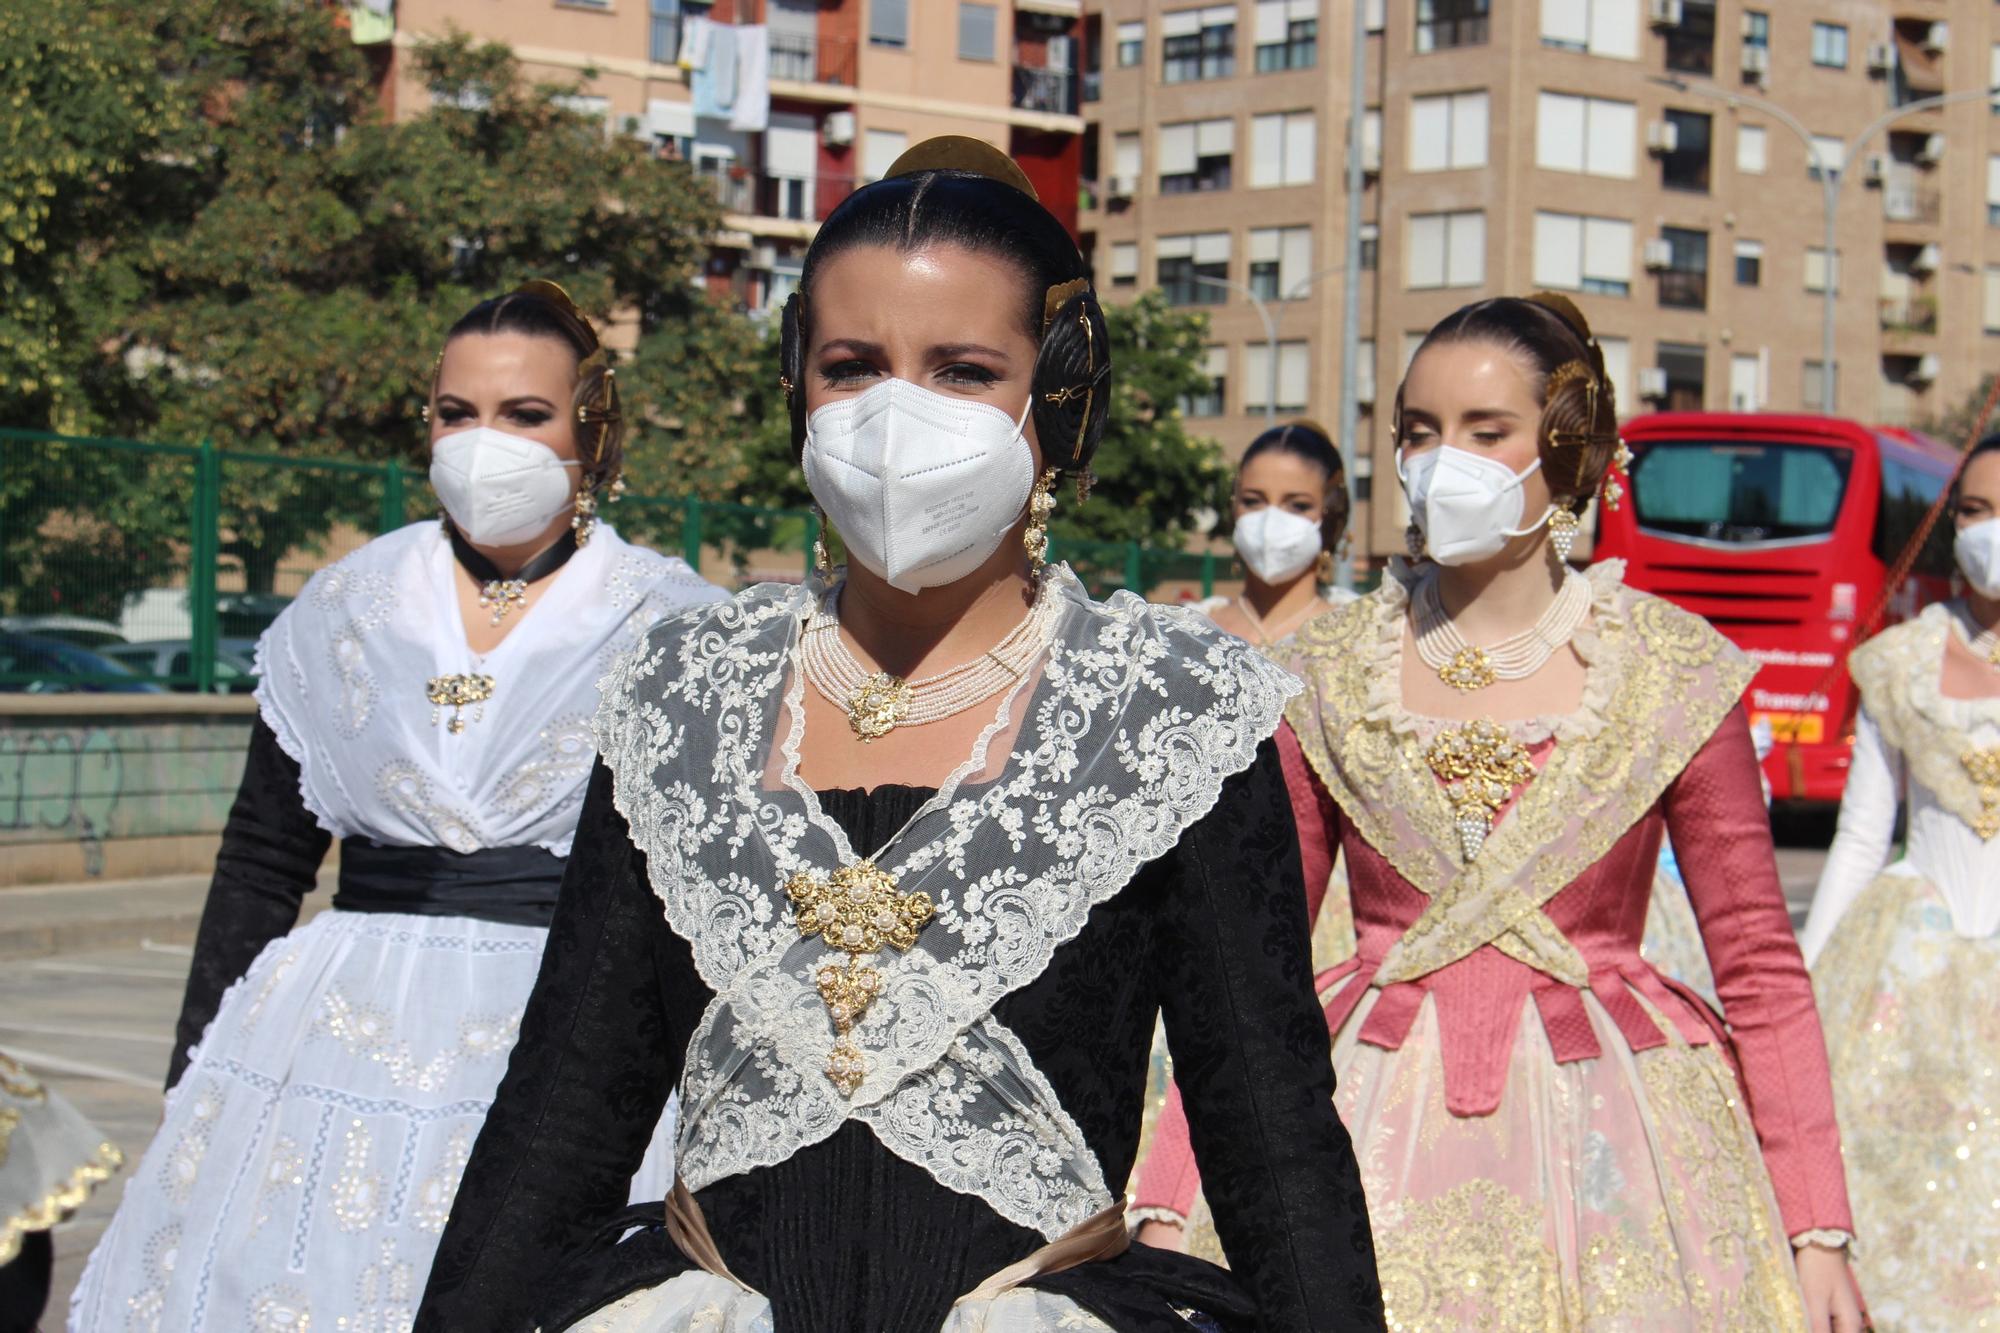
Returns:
(1954, 425)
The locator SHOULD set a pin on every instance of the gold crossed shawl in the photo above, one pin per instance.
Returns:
(1660, 682)
(1897, 673)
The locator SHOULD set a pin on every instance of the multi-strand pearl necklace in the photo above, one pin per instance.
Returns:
(1466, 668)
(1985, 643)
(877, 703)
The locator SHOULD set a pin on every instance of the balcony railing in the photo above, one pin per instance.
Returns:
(1909, 314)
(1049, 90)
(1909, 201)
(768, 194)
(800, 59)
(1683, 289)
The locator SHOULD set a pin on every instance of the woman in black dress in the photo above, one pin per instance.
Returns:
(890, 874)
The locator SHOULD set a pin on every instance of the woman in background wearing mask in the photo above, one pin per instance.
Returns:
(890, 874)
(1907, 959)
(426, 700)
(1291, 512)
(1551, 1135)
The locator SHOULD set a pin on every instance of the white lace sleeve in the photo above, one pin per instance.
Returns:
(1861, 844)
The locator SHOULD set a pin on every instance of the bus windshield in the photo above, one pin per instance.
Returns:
(1739, 491)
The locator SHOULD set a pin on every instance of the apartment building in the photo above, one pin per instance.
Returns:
(852, 83)
(1659, 160)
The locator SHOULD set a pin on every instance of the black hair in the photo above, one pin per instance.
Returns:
(596, 415)
(1308, 441)
(530, 314)
(1987, 445)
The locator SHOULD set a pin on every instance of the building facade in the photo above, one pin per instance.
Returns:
(1658, 160)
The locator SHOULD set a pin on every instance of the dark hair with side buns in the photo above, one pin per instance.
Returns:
(1310, 441)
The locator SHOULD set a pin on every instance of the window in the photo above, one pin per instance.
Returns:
(1124, 263)
(977, 25)
(1447, 250)
(1739, 491)
(1691, 42)
(1812, 386)
(791, 165)
(1127, 160)
(1989, 305)
(1993, 74)
(1442, 24)
(1199, 44)
(889, 22)
(1993, 191)
(1287, 35)
(1212, 400)
(1618, 369)
(1194, 269)
(1816, 267)
(1829, 45)
(1600, 27)
(1280, 260)
(1829, 150)
(1750, 149)
(672, 126)
(1448, 132)
(1746, 382)
(1131, 44)
(1364, 371)
(1293, 374)
(1585, 134)
(1578, 254)
(1757, 29)
(1749, 263)
(1282, 149)
(663, 46)
(1686, 168)
(1371, 246)
(1684, 281)
(1371, 140)
(879, 151)
(1196, 155)
(1907, 496)
(1687, 377)
(1375, 16)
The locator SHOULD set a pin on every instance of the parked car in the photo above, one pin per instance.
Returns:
(172, 660)
(79, 630)
(31, 665)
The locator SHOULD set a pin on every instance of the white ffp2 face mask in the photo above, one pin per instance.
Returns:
(1277, 544)
(1978, 550)
(921, 487)
(499, 489)
(1468, 506)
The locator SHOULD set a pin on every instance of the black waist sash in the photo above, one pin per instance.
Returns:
(515, 886)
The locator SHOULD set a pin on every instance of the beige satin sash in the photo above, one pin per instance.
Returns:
(1101, 1236)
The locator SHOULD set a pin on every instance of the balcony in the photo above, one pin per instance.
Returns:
(1909, 314)
(1683, 289)
(745, 193)
(1911, 201)
(1052, 91)
(801, 59)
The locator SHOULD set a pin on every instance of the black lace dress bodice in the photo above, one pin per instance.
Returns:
(845, 1235)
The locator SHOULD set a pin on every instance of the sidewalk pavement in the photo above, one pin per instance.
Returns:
(42, 920)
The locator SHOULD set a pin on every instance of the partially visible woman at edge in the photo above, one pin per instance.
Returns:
(1906, 958)
(426, 700)
(1551, 1134)
(891, 874)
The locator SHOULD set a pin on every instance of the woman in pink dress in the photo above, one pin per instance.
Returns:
(1551, 1134)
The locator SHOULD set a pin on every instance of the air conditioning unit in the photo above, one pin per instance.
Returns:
(1662, 137)
(1875, 168)
(1928, 366)
(1938, 38)
(1663, 13)
(1120, 187)
(1927, 260)
(1652, 383)
(1881, 58)
(1932, 152)
(1658, 254)
(1756, 61)
(837, 130)
(764, 257)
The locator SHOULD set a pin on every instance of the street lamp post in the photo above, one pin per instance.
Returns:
(1830, 180)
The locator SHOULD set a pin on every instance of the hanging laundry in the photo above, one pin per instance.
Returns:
(713, 84)
(751, 110)
(694, 43)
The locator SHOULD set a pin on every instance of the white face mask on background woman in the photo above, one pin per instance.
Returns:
(1468, 505)
(1977, 547)
(920, 486)
(1277, 544)
(499, 489)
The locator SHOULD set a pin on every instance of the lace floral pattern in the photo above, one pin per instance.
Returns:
(1897, 672)
(1138, 716)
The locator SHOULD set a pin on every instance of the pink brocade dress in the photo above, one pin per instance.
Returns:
(1552, 1135)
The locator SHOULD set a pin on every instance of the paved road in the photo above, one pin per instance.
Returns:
(99, 1026)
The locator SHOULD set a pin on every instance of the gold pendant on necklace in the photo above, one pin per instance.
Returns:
(1481, 766)
(857, 910)
(1469, 669)
(458, 693)
(882, 701)
(1983, 767)
(501, 596)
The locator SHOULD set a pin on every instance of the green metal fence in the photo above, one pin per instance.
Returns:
(127, 565)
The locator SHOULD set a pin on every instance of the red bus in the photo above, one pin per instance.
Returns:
(1780, 531)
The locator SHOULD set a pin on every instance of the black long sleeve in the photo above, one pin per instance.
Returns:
(601, 1046)
(270, 857)
(1251, 1054)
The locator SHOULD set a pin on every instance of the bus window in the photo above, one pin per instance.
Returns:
(1907, 495)
(1739, 492)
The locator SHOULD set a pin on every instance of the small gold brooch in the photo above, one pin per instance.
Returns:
(882, 701)
(457, 693)
(857, 910)
(1481, 766)
(1469, 669)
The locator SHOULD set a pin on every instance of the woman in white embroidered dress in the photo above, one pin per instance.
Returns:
(427, 701)
(1906, 956)
(892, 875)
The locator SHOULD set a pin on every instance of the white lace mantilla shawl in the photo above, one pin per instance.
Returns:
(344, 671)
(1138, 716)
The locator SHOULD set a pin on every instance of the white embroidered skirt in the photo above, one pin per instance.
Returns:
(309, 1156)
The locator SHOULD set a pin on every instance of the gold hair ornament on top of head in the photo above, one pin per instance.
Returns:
(957, 152)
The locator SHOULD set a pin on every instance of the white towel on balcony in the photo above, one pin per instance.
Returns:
(713, 83)
(752, 108)
(694, 44)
